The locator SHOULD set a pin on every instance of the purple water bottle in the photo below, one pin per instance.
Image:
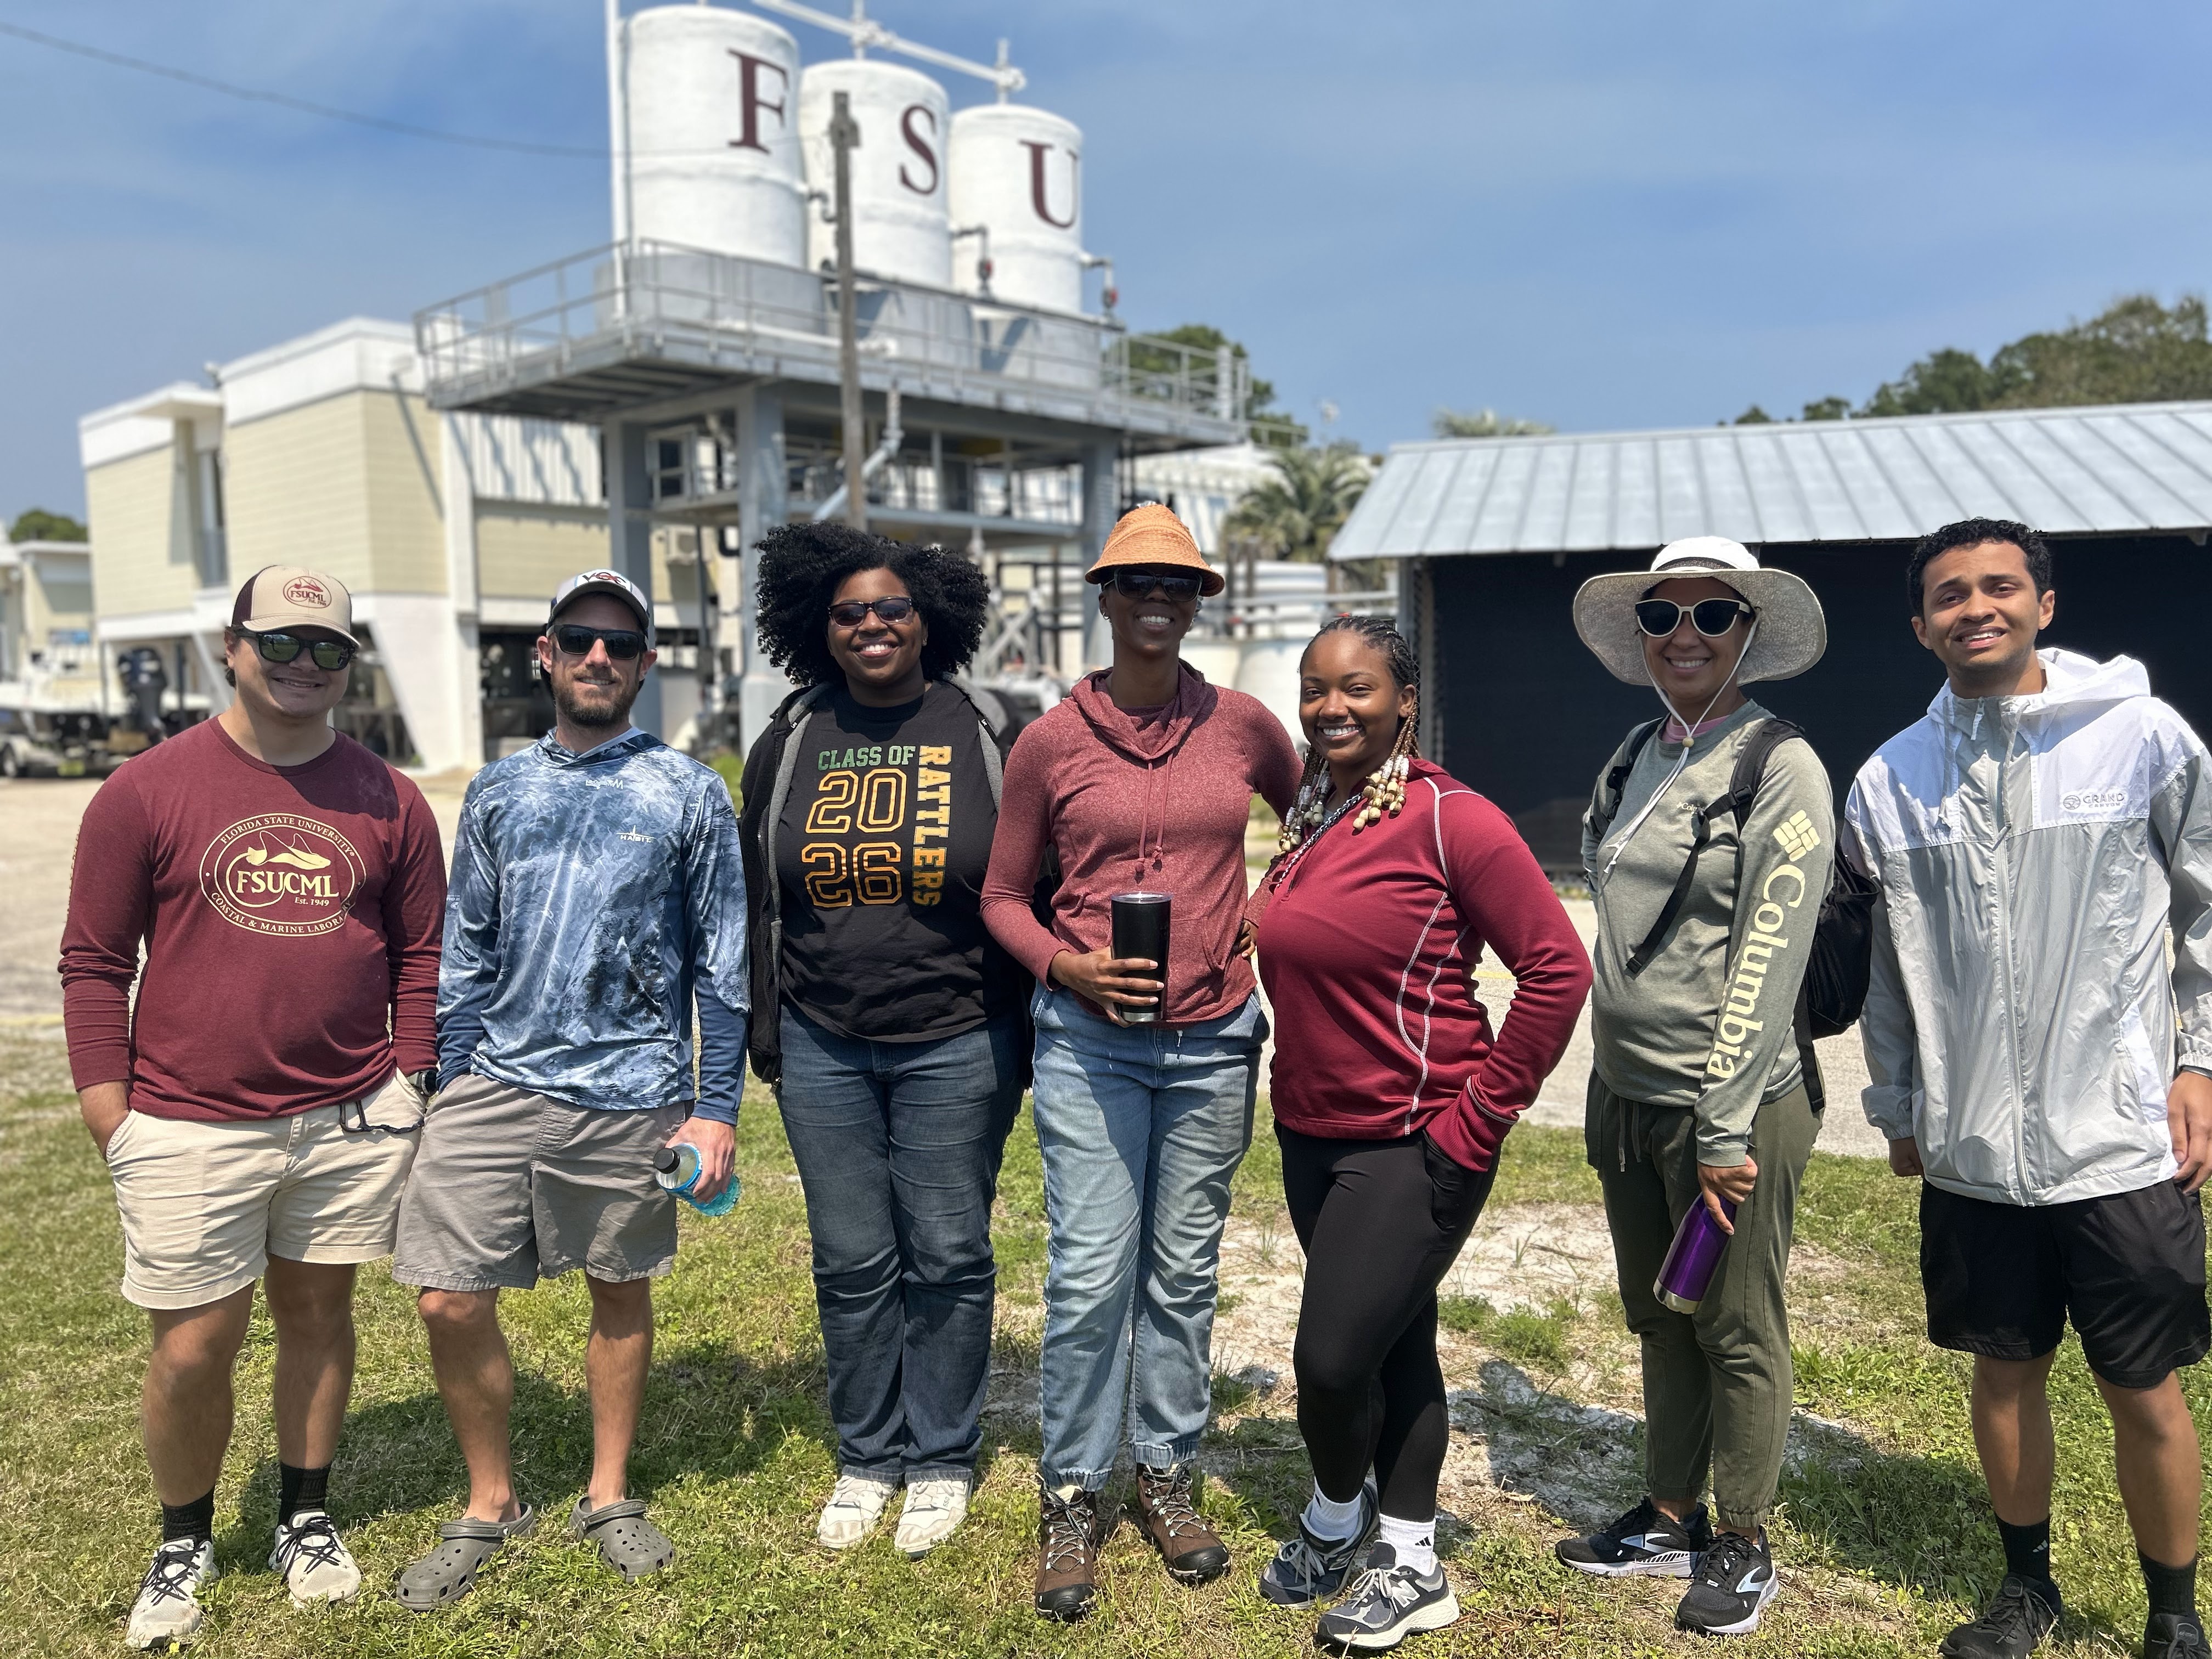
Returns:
(1687, 1273)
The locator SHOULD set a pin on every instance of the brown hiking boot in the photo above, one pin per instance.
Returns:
(1193, 1552)
(1069, 1533)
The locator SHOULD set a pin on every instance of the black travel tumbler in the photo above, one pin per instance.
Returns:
(1140, 931)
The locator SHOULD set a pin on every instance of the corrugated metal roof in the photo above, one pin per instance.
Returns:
(2125, 468)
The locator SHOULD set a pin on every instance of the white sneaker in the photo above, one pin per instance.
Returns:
(168, 1608)
(314, 1560)
(934, 1508)
(855, 1507)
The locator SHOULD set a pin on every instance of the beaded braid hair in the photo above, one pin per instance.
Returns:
(1385, 789)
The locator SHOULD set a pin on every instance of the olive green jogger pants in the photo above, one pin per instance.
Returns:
(1717, 1383)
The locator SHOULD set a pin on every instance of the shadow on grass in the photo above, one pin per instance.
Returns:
(709, 1414)
(1920, 1523)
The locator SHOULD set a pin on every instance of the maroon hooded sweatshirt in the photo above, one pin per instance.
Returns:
(1153, 798)
(1368, 946)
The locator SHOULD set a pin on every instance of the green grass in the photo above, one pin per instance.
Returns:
(1884, 1535)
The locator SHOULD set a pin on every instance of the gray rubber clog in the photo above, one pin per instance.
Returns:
(633, 1546)
(449, 1571)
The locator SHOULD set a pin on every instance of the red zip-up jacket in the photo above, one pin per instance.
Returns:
(1368, 946)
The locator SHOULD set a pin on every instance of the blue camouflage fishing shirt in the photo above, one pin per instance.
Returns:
(592, 895)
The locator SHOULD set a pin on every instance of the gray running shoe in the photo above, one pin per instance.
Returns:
(1307, 1569)
(1388, 1603)
(449, 1571)
(633, 1546)
(2014, 1626)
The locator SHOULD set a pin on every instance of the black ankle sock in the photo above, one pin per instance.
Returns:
(2172, 1590)
(300, 1489)
(195, 1521)
(2028, 1550)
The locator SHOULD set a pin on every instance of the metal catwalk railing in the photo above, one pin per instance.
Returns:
(647, 298)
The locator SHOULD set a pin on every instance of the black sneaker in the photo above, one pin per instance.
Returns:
(1734, 1580)
(2170, 1636)
(1307, 1569)
(1388, 1603)
(1643, 1543)
(2014, 1626)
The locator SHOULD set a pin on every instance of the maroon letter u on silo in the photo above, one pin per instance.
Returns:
(749, 68)
(1038, 149)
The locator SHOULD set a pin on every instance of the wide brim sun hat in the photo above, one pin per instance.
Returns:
(1792, 631)
(1151, 535)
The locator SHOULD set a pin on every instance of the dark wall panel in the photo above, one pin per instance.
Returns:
(1530, 716)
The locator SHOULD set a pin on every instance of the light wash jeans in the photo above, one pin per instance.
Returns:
(1140, 1127)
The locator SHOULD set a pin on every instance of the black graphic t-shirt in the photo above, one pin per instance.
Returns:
(880, 855)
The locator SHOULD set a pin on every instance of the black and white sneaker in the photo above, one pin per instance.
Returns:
(2013, 1627)
(168, 1611)
(1387, 1604)
(1734, 1580)
(1307, 1569)
(2170, 1636)
(1643, 1543)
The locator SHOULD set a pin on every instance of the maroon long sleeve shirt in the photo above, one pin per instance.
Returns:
(290, 917)
(1368, 946)
(1151, 799)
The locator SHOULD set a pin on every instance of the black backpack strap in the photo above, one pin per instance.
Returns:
(1743, 787)
(1616, 777)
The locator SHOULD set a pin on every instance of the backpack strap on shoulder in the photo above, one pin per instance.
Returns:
(1616, 777)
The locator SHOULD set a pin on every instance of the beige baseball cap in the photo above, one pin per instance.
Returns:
(280, 596)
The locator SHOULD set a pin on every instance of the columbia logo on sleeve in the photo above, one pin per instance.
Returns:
(1797, 835)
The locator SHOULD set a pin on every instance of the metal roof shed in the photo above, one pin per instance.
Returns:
(1501, 531)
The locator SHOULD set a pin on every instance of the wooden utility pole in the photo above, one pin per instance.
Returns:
(844, 139)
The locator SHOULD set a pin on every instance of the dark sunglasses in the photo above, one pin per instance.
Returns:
(1138, 584)
(624, 644)
(328, 654)
(851, 613)
(1711, 617)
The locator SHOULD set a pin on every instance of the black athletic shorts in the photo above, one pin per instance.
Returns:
(2002, 1280)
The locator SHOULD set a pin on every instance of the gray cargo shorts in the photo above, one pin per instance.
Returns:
(508, 1186)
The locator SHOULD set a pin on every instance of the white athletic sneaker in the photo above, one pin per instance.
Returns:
(934, 1508)
(855, 1506)
(168, 1607)
(314, 1560)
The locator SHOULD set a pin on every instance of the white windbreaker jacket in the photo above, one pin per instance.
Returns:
(2022, 1022)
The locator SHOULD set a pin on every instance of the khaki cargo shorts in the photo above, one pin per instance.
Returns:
(510, 1186)
(205, 1205)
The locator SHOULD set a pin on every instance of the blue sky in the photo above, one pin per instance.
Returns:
(1612, 213)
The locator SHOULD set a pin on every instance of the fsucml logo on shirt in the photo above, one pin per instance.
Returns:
(282, 874)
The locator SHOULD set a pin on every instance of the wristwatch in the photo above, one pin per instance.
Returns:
(425, 1081)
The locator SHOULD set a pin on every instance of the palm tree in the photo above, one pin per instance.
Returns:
(1296, 514)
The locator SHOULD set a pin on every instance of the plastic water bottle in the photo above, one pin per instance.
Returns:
(1687, 1273)
(677, 1171)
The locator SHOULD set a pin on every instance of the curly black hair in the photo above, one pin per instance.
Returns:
(1972, 533)
(803, 565)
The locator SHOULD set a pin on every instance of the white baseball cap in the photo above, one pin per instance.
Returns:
(614, 584)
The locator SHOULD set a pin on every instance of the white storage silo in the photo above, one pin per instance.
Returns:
(711, 104)
(899, 176)
(1019, 171)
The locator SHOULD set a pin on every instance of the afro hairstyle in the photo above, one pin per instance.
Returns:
(803, 565)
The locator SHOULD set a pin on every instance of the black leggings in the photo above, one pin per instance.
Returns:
(1381, 1222)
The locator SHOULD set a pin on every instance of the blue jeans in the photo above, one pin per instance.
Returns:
(1141, 1127)
(898, 1147)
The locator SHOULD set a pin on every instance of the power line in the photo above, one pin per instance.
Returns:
(252, 95)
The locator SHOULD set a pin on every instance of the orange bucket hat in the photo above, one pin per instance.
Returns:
(1151, 535)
